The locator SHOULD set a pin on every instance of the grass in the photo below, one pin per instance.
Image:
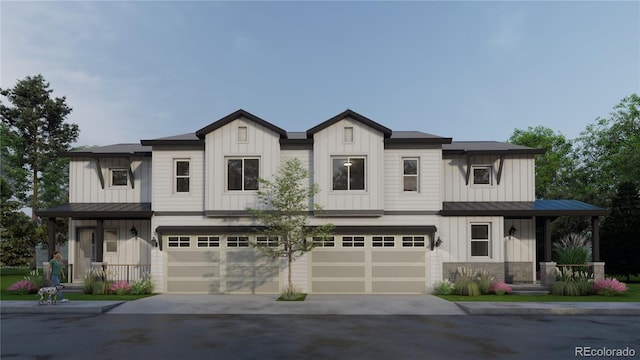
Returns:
(632, 295)
(8, 276)
(300, 297)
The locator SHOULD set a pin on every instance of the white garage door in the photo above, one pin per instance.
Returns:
(218, 264)
(358, 264)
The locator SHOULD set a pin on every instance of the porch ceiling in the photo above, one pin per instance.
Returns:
(522, 208)
(99, 211)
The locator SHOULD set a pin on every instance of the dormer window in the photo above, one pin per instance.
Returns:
(348, 134)
(242, 134)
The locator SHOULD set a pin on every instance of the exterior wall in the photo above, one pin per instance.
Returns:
(222, 143)
(456, 239)
(495, 269)
(165, 197)
(517, 182)
(84, 183)
(428, 196)
(367, 142)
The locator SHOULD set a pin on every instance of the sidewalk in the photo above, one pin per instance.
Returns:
(316, 305)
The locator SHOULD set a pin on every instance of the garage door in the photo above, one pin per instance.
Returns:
(218, 264)
(370, 264)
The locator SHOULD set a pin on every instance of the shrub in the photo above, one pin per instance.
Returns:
(120, 287)
(572, 249)
(444, 288)
(500, 288)
(143, 286)
(484, 280)
(23, 287)
(292, 294)
(467, 282)
(36, 278)
(95, 282)
(572, 283)
(609, 287)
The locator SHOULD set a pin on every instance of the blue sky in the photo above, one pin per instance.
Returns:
(467, 70)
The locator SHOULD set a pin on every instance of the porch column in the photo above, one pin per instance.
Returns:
(51, 227)
(99, 239)
(595, 239)
(547, 239)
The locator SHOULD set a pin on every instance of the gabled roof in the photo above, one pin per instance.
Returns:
(487, 148)
(236, 115)
(116, 150)
(184, 139)
(353, 115)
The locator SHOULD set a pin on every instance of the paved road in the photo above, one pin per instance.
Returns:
(205, 336)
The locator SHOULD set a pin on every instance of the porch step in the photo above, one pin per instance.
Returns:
(73, 288)
(529, 289)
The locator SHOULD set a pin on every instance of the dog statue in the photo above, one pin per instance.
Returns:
(50, 292)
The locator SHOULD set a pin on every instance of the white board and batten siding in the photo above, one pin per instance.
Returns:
(428, 195)
(222, 144)
(85, 187)
(455, 233)
(517, 180)
(165, 196)
(367, 142)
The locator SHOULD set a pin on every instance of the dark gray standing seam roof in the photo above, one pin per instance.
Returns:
(116, 150)
(99, 211)
(522, 208)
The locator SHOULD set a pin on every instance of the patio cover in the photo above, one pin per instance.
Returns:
(546, 208)
(99, 211)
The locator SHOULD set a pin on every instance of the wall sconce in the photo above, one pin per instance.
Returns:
(134, 231)
(436, 243)
(154, 242)
(512, 231)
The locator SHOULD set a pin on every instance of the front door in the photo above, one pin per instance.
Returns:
(86, 252)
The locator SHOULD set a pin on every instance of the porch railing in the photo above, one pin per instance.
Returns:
(125, 272)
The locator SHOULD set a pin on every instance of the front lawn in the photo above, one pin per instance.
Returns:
(632, 295)
(8, 276)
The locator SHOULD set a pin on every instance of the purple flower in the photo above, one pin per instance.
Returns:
(609, 287)
(23, 287)
(120, 287)
(500, 288)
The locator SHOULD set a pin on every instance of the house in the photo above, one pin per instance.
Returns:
(408, 208)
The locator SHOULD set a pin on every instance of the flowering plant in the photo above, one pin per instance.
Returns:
(445, 287)
(23, 287)
(500, 288)
(120, 287)
(609, 287)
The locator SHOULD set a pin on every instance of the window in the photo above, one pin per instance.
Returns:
(348, 173)
(481, 175)
(237, 241)
(242, 174)
(413, 241)
(410, 174)
(386, 241)
(480, 240)
(119, 177)
(348, 134)
(242, 134)
(353, 241)
(323, 241)
(271, 241)
(182, 175)
(208, 241)
(179, 241)
(111, 240)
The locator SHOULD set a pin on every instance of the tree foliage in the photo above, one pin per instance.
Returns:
(553, 168)
(285, 203)
(36, 132)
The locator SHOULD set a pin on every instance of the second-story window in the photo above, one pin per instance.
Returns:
(348, 173)
(243, 174)
(182, 176)
(410, 174)
(119, 177)
(481, 175)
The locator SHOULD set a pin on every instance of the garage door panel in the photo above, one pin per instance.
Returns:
(398, 271)
(194, 271)
(252, 271)
(210, 287)
(252, 286)
(398, 256)
(398, 286)
(193, 256)
(338, 286)
(246, 255)
(338, 271)
(338, 256)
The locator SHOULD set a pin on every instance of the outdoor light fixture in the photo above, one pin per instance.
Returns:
(134, 231)
(436, 243)
(347, 163)
(154, 242)
(512, 231)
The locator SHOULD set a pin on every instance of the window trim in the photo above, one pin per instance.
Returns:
(176, 176)
(487, 240)
(414, 241)
(352, 241)
(179, 241)
(383, 241)
(348, 160)
(208, 241)
(107, 241)
(242, 158)
(348, 135)
(126, 177)
(417, 175)
(243, 130)
(326, 241)
(478, 167)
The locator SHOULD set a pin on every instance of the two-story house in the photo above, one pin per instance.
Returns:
(408, 208)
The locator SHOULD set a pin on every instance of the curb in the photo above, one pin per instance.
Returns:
(85, 307)
(570, 309)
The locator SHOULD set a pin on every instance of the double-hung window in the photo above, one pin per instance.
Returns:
(182, 176)
(410, 174)
(348, 173)
(243, 174)
(480, 240)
